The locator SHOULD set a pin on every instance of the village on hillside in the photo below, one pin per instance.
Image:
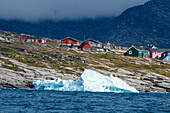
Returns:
(28, 58)
(93, 46)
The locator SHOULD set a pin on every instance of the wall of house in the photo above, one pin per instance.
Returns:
(132, 52)
(24, 37)
(169, 54)
(44, 41)
(99, 45)
(143, 54)
(156, 54)
(86, 48)
(69, 41)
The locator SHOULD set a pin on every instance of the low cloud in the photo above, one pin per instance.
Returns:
(35, 10)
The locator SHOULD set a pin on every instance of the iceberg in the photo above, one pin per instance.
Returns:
(90, 80)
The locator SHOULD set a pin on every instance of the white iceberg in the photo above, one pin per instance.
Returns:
(90, 80)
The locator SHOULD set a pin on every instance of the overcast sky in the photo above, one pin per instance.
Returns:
(35, 10)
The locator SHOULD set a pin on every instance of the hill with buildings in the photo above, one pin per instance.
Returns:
(23, 62)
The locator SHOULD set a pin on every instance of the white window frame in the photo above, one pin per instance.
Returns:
(130, 52)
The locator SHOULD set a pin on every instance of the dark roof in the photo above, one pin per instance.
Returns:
(141, 48)
(159, 50)
(70, 38)
(82, 45)
(137, 48)
(163, 57)
(91, 40)
(167, 52)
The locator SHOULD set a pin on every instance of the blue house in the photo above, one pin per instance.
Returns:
(166, 56)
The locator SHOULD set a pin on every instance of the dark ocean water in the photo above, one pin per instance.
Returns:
(34, 101)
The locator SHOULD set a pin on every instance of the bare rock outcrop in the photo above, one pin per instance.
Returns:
(143, 81)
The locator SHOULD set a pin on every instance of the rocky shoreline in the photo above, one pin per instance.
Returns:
(21, 63)
(151, 82)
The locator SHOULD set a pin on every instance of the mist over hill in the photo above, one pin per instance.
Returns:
(139, 25)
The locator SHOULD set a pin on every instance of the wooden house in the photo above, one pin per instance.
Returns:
(156, 53)
(85, 47)
(36, 40)
(69, 42)
(6, 39)
(165, 56)
(107, 46)
(24, 37)
(95, 45)
(137, 52)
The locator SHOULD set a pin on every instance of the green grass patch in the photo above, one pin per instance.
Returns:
(101, 55)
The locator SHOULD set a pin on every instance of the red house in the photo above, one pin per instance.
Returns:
(36, 40)
(85, 47)
(24, 37)
(70, 42)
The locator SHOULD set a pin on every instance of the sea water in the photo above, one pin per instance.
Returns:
(92, 92)
(43, 101)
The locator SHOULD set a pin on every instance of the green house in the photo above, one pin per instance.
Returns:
(137, 52)
(7, 39)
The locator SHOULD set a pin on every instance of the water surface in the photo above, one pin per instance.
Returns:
(14, 100)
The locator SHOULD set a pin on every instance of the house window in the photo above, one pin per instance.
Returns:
(70, 41)
(86, 49)
(155, 53)
(167, 58)
(130, 52)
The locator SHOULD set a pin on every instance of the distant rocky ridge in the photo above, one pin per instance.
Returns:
(140, 25)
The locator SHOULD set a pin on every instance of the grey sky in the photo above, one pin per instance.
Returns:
(34, 10)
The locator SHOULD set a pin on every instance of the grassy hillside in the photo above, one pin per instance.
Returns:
(71, 61)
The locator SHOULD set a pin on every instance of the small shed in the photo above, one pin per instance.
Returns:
(137, 52)
(85, 47)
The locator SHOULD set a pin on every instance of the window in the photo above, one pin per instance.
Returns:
(70, 41)
(87, 49)
(155, 53)
(130, 52)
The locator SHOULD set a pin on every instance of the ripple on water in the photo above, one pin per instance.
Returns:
(55, 101)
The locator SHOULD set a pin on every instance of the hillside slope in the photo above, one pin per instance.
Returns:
(21, 63)
(149, 23)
